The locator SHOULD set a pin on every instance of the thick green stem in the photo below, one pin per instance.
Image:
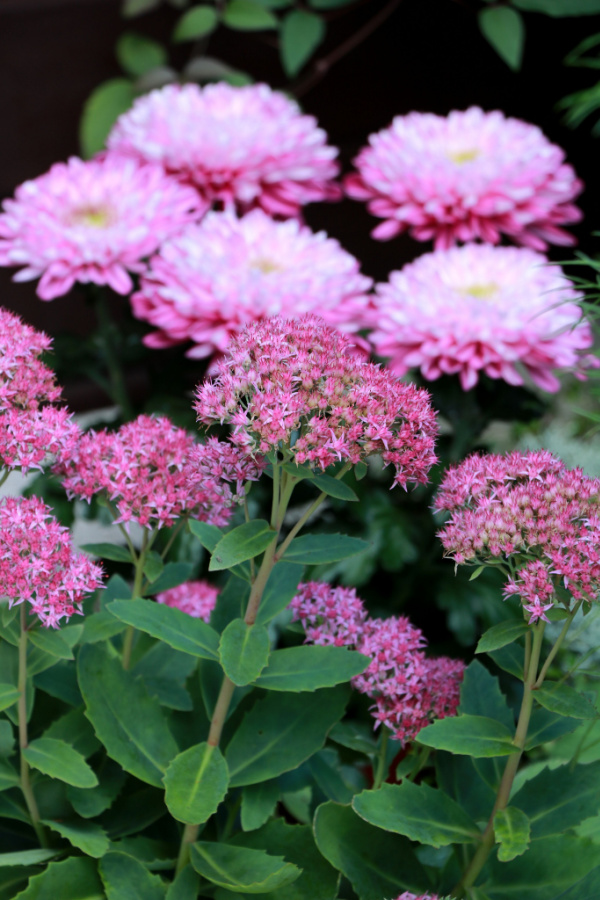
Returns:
(503, 795)
(382, 769)
(26, 787)
(140, 562)
(557, 645)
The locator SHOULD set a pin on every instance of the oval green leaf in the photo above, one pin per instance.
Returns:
(301, 34)
(500, 635)
(176, 628)
(51, 642)
(138, 54)
(504, 30)
(245, 15)
(562, 699)
(512, 831)
(125, 878)
(9, 694)
(309, 668)
(315, 549)
(333, 487)
(242, 870)
(88, 837)
(58, 760)
(244, 651)
(475, 736)
(244, 542)
(108, 551)
(195, 23)
(195, 783)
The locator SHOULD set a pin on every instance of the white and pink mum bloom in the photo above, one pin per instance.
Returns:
(38, 564)
(466, 176)
(94, 221)
(213, 278)
(239, 146)
(502, 311)
(409, 689)
(196, 598)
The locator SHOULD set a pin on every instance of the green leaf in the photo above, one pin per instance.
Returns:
(281, 587)
(129, 723)
(324, 767)
(475, 736)
(172, 575)
(125, 878)
(546, 726)
(58, 760)
(240, 869)
(258, 803)
(92, 803)
(75, 878)
(9, 694)
(330, 4)
(109, 551)
(377, 864)
(26, 857)
(195, 23)
(195, 783)
(8, 776)
(100, 112)
(280, 732)
(354, 735)
(244, 542)
(153, 566)
(51, 642)
(100, 626)
(132, 8)
(164, 672)
(462, 780)
(138, 54)
(244, 651)
(309, 668)
(315, 549)
(480, 695)
(504, 29)
(419, 812)
(245, 15)
(500, 635)
(333, 487)
(75, 729)
(509, 658)
(7, 739)
(185, 886)
(178, 629)
(318, 881)
(511, 828)
(558, 799)
(559, 8)
(562, 699)
(88, 837)
(301, 34)
(208, 535)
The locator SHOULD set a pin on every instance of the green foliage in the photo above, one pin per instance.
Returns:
(562, 699)
(195, 23)
(301, 34)
(560, 799)
(75, 878)
(477, 736)
(176, 628)
(88, 837)
(247, 15)
(243, 543)
(244, 651)
(258, 803)
(560, 8)
(100, 112)
(309, 668)
(500, 635)
(512, 831)
(58, 760)
(316, 549)
(504, 29)
(138, 54)
(243, 870)
(124, 877)
(195, 783)
(281, 587)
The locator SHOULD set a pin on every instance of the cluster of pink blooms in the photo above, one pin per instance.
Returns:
(409, 689)
(407, 895)
(32, 430)
(240, 147)
(196, 598)
(301, 387)
(210, 280)
(93, 221)
(38, 563)
(530, 509)
(478, 309)
(471, 175)
(154, 473)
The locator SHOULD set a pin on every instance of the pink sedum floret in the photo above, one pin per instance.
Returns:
(239, 146)
(94, 221)
(213, 278)
(467, 176)
(196, 598)
(300, 386)
(38, 565)
(481, 309)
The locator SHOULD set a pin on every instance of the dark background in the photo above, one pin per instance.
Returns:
(428, 56)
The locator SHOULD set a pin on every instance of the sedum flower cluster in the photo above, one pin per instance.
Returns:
(213, 278)
(471, 175)
(530, 511)
(38, 564)
(154, 473)
(196, 598)
(300, 386)
(409, 689)
(33, 430)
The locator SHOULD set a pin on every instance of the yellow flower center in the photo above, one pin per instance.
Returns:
(481, 291)
(93, 216)
(463, 156)
(265, 265)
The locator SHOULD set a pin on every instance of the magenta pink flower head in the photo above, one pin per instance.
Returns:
(470, 175)
(239, 146)
(409, 689)
(154, 473)
(92, 221)
(33, 432)
(299, 386)
(196, 598)
(479, 309)
(529, 509)
(38, 563)
(213, 278)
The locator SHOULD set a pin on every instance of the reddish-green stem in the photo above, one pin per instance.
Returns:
(26, 787)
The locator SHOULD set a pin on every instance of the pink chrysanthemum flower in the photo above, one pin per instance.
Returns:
(154, 473)
(38, 563)
(470, 175)
(530, 508)
(480, 309)
(213, 278)
(196, 598)
(92, 221)
(300, 386)
(239, 146)
(409, 689)
(32, 432)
